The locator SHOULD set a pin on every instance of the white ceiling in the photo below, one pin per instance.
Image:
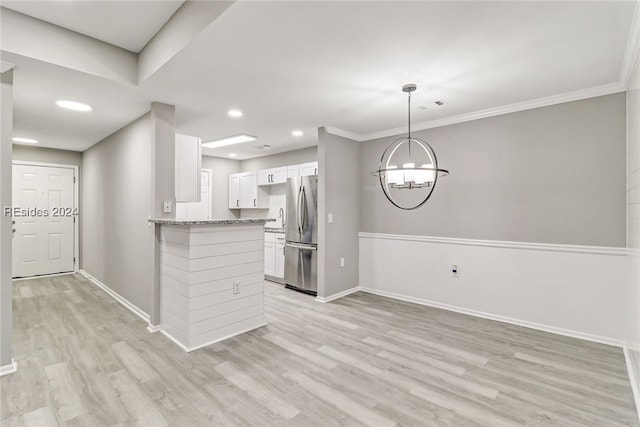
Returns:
(301, 65)
(126, 24)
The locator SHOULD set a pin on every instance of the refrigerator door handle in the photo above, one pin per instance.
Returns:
(299, 219)
(304, 210)
(297, 246)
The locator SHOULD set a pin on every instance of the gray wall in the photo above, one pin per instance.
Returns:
(6, 130)
(221, 168)
(118, 245)
(551, 175)
(338, 186)
(47, 155)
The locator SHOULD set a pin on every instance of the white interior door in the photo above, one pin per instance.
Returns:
(43, 214)
(198, 210)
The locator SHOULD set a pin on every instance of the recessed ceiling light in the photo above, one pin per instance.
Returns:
(25, 140)
(297, 133)
(236, 139)
(73, 105)
(235, 113)
(233, 155)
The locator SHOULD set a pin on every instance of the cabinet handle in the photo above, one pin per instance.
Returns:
(254, 203)
(315, 171)
(238, 203)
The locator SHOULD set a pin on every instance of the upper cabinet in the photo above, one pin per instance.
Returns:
(244, 192)
(310, 168)
(188, 166)
(272, 176)
(249, 190)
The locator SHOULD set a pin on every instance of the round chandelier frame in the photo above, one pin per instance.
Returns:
(408, 177)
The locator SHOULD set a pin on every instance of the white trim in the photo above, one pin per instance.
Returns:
(338, 295)
(44, 276)
(9, 369)
(549, 247)
(226, 337)
(632, 51)
(344, 133)
(634, 386)
(122, 300)
(546, 101)
(76, 203)
(154, 328)
(503, 319)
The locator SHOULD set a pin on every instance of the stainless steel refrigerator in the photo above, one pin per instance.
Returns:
(301, 234)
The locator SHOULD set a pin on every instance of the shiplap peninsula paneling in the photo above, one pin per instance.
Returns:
(212, 281)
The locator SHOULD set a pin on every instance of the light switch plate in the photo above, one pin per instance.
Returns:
(330, 218)
(166, 207)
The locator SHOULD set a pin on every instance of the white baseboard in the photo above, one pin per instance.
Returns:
(635, 387)
(9, 369)
(44, 276)
(122, 300)
(190, 349)
(338, 295)
(503, 319)
(154, 328)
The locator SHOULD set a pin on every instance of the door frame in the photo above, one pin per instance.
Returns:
(76, 194)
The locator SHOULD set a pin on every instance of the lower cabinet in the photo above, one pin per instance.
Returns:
(274, 255)
(280, 255)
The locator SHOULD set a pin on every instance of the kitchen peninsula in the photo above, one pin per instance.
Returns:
(211, 279)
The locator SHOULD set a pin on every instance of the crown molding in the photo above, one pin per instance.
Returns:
(483, 114)
(632, 51)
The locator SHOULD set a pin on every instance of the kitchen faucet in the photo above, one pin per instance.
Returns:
(281, 215)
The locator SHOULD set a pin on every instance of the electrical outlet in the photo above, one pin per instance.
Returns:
(341, 262)
(166, 207)
(236, 287)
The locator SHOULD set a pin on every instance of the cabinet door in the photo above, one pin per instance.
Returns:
(264, 177)
(234, 191)
(293, 171)
(248, 190)
(279, 255)
(269, 258)
(279, 175)
(310, 168)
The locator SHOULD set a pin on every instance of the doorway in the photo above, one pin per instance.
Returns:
(44, 212)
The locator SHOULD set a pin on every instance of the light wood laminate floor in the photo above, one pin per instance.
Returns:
(85, 360)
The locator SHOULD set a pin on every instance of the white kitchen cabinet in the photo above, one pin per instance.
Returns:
(188, 166)
(234, 191)
(244, 192)
(279, 261)
(293, 171)
(269, 254)
(310, 168)
(274, 255)
(272, 176)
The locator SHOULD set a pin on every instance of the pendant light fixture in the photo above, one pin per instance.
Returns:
(408, 164)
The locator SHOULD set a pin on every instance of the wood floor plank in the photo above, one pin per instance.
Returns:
(362, 360)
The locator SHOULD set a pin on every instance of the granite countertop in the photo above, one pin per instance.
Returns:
(210, 221)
